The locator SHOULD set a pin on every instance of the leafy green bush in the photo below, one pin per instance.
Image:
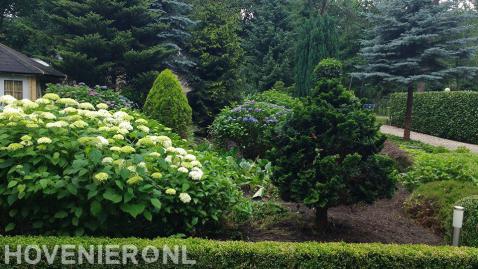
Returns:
(267, 255)
(469, 232)
(325, 153)
(329, 68)
(248, 127)
(167, 103)
(452, 115)
(277, 98)
(68, 168)
(431, 204)
(430, 167)
(95, 96)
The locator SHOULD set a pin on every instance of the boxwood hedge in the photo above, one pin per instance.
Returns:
(217, 254)
(452, 115)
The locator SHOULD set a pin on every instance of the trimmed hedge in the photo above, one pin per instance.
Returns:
(217, 254)
(452, 115)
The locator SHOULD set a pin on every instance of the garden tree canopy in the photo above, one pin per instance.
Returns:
(175, 15)
(326, 152)
(317, 39)
(13, 8)
(109, 42)
(168, 104)
(266, 45)
(417, 41)
(216, 44)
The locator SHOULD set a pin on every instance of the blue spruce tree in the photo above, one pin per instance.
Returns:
(418, 42)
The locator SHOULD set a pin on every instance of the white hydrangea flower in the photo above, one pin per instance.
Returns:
(68, 102)
(29, 104)
(181, 151)
(102, 141)
(155, 154)
(7, 99)
(196, 174)
(48, 116)
(118, 137)
(42, 101)
(107, 160)
(79, 124)
(141, 121)
(123, 131)
(13, 111)
(102, 106)
(69, 110)
(126, 125)
(57, 124)
(87, 106)
(190, 157)
(169, 159)
(196, 164)
(51, 96)
(185, 198)
(183, 170)
(143, 128)
(44, 140)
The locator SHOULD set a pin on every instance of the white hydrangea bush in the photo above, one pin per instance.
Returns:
(74, 168)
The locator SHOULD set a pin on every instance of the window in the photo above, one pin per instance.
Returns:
(14, 88)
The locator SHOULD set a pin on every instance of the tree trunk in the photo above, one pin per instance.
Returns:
(408, 114)
(321, 217)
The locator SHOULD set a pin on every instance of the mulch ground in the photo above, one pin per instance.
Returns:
(383, 222)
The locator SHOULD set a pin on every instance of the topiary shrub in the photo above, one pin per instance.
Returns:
(167, 103)
(329, 68)
(469, 232)
(431, 204)
(247, 127)
(69, 168)
(83, 93)
(325, 153)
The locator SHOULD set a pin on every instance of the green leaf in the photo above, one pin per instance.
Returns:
(95, 208)
(61, 215)
(12, 184)
(156, 203)
(72, 189)
(112, 196)
(133, 209)
(147, 215)
(9, 227)
(95, 156)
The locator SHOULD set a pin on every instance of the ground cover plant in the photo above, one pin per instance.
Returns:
(75, 168)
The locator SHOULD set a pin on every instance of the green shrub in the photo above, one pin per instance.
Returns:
(430, 167)
(95, 96)
(267, 255)
(329, 68)
(469, 232)
(277, 98)
(67, 168)
(248, 127)
(325, 153)
(432, 204)
(167, 103)
(452, 115)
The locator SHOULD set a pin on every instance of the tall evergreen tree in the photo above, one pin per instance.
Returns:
(316, 40)
(216, 45)
(175, 15)
(267, 45)
(109, 42)
(418, 41)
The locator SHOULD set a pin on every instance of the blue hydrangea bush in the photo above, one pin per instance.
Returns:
(248, 127)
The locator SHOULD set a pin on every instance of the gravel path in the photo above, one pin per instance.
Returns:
(428, 139)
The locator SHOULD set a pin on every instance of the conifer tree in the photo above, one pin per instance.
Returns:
(415, 42)
(317, 40)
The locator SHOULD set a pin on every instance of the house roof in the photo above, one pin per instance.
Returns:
(12, 61)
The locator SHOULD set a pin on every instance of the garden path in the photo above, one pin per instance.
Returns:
(428, 139)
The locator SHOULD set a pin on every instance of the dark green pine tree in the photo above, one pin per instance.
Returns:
(110, 42)
(216, 45)
(317, 39)
(175, 15)
(266, 44)
(413, 42)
